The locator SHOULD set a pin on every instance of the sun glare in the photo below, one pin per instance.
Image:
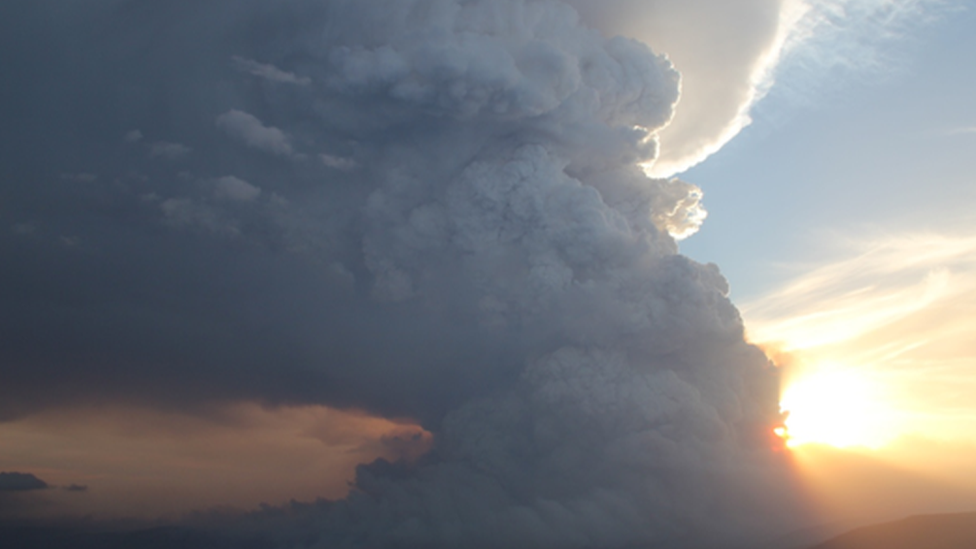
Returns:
(832, 405)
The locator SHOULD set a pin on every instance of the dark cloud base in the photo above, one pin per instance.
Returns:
(24, 536)
(21, 482)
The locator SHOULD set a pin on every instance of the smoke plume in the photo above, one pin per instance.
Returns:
(421, 208)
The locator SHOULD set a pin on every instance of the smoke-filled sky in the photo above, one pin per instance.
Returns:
(423, 259)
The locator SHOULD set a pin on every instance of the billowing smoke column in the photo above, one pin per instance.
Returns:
(420, 208)
(500, 141)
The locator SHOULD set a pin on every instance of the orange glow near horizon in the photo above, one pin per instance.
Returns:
(909, 476)
(876, 358)
(834, 406)
(144, 463)
(876, 345)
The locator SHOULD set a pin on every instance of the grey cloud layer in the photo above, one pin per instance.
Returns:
(447, 221)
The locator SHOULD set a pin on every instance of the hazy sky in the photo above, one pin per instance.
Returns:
(851, 249)
(855, 227)
(428, 253)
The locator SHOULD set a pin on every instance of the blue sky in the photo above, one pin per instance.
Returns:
(844, 151)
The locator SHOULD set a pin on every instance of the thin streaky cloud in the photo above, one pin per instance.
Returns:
(167, 150)
(962, 131)
(886, 280)
(250, 130)
(268, 71)
(942, 133)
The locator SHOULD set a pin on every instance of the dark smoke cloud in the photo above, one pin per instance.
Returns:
(21, 482)
(420, 208)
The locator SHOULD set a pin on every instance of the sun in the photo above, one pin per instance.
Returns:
(833, 405)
